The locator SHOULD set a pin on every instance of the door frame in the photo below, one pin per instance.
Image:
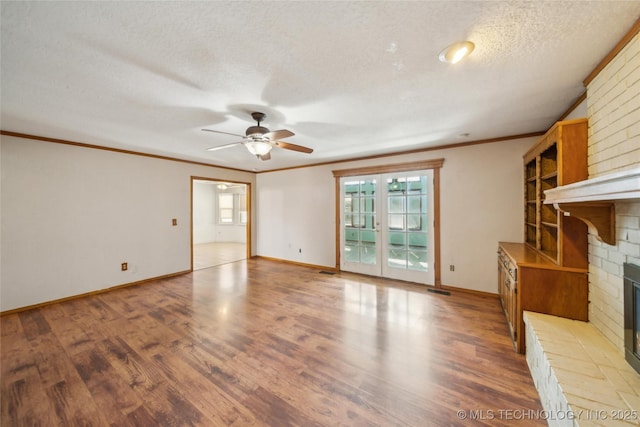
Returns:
(435, 165)
(249, 211)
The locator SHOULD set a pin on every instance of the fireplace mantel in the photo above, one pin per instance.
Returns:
(593, 200)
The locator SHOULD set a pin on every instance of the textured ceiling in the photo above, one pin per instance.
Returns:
(348, 78)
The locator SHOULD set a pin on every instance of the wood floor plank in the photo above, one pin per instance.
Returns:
(110, 392)
(73, 404)
(263, 343)
(222, 408)
(25, 403)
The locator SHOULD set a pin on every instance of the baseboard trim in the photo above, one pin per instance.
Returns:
(300, 264)
(337, 270)
(469, 291)
(87, 294)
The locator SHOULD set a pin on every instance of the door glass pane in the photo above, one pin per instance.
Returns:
(417, 260)
(417, 240)
(348, 210)
(351, 252)
(407, 222)
(396, 222)
(397, 238)
(414, 222)
(359, 221)
(368, 253)
(396, 204)
(418, 184)
(397, 257)
(415, 203)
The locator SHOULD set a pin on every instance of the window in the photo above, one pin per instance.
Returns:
(242, 208)
(225, 208)
(232, 208)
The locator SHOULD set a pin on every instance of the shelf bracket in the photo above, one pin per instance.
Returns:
(599, 216)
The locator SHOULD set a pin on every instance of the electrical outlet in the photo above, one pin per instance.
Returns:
(452, 267)
(124, 266)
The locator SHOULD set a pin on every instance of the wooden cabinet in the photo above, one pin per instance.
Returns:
(528, 280)
(548, 272)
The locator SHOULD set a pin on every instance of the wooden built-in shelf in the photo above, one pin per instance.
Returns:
(593, 200)
(558, 158)
(547, 273)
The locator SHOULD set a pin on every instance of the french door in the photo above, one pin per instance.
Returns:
(387, 225)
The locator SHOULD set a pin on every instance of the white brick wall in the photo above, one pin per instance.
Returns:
(613, 105)
(552, 398)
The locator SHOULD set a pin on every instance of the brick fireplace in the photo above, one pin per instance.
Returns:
(613, 106)
(579, 368)
(632, 315)
(606, 305)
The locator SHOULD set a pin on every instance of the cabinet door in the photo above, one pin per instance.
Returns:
(506, 290)
(512, 313)
(502, 275)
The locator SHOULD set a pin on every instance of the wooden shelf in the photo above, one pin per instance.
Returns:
(557, 158)
(617, 186)
(548, 272)
(593, 200)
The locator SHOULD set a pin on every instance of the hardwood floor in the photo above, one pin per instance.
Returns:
(258, 342)
(207, 255)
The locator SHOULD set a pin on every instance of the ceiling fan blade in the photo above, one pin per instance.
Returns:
(293, 147)
(220, 147)
(265, 156)
(278, 134)
(226, 133)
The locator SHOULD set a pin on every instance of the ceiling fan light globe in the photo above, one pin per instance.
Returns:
(258, 148)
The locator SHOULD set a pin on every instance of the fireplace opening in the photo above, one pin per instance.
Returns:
(632, 315)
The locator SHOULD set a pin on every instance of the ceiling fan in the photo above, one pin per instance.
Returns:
(260, 140)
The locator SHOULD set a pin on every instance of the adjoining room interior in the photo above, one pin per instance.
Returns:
(320, 213)
(219, 222)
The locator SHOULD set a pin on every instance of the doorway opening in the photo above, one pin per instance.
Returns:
(220, 222)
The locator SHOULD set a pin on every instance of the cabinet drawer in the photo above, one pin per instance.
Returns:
(509, 266)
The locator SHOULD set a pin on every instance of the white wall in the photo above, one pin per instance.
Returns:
(204, 212)
(206, 228)
(71, 215)
(296, 219)
(481, 204)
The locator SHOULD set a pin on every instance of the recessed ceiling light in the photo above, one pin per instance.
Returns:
(454, 53)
